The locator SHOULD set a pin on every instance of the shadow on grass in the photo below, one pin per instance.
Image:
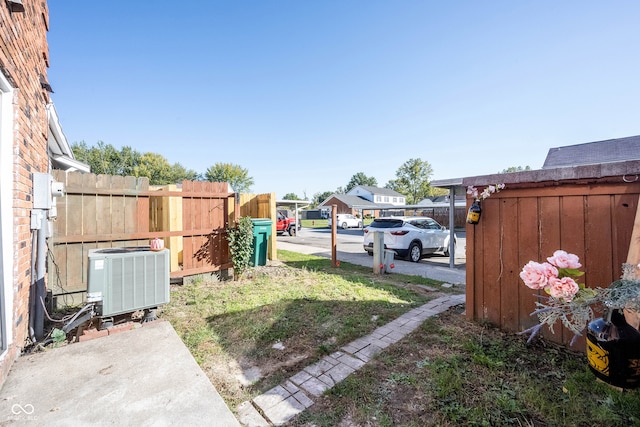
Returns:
(303, 330)
(307, 328)
(308, 308)
(312, 324)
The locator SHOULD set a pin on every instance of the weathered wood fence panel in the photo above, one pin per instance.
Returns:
(97, 211)
(103, 211)
(529, 221)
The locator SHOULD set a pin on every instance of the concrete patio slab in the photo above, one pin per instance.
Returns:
(141, 377)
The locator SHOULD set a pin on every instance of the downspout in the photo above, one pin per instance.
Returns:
(41, 269)
(32, 287)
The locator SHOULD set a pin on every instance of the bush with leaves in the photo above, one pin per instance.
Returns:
(240, 240)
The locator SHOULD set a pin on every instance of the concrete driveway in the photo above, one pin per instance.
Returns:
(349, 249)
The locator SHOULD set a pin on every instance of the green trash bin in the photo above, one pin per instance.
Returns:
(261, 234)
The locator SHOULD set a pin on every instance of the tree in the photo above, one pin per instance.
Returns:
(129, 158)
(361, 179)
(237, 177)
(106, 159)
(180, 173)
(161, 172)
(412, 180)
(291, 196)
(515, 169)
(156, 168)
(320, 197)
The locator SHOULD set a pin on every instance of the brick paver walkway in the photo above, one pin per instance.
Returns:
(284, 401)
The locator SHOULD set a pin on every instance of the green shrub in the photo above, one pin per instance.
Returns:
(240, 240)
(58, 336)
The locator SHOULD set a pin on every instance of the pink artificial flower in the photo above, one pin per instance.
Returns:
(562, 259)
(472, 191)
(565, 288)
(536, 275)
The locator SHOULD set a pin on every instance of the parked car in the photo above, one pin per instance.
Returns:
(285, 224)
(346, 220)
(410, 237)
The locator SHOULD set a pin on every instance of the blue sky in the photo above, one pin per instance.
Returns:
(305, 94)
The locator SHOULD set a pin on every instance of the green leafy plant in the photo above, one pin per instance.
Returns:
(240, 240)
(58, 336)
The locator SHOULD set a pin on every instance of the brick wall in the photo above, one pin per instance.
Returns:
(23, 59)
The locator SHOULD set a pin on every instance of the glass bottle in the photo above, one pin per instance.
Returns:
(613, 350)
(473, 216)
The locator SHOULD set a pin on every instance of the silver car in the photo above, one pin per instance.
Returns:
(410, 237)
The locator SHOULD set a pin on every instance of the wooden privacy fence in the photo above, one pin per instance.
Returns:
(585, 210)
(441, 215)
(103, 211)
(195, 226)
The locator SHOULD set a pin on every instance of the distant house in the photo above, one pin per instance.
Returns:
(366, 201)
(591, 153)
(349, 204)
(378, 195)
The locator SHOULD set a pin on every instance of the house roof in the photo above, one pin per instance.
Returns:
(382, 191)
(600, 159)
(348, 200)
(440, 201)
(591, 153)
(355, 201)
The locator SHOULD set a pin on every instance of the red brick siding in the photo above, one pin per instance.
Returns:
(23, 49)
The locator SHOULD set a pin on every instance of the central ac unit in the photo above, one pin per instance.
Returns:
(124, 280)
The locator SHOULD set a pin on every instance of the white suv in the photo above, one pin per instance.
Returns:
(410, 237)
(346, 220)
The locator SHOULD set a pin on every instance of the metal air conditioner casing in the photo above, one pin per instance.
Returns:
(124, 280)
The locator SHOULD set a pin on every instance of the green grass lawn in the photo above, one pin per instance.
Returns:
(451, 372)
(306, 305)
(448, 372)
